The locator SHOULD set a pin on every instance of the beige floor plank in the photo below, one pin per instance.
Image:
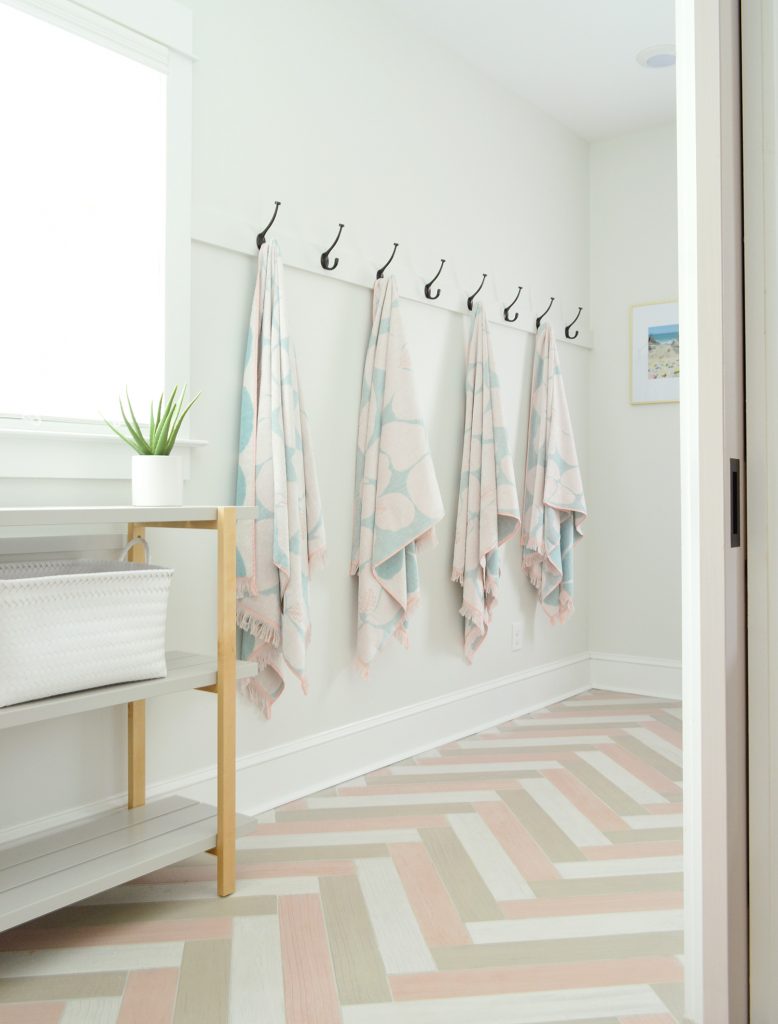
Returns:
(359, 969)
(594, 947)
(290, 854)
(62, 986)
(595, 886)
(609, 793)
(548, 835)
(466, 887)
(646, 835)
(203, 986)
(654, 758)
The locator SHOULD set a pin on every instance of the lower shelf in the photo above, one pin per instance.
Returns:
(54, 870)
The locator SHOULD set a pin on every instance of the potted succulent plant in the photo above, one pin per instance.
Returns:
(157, 474)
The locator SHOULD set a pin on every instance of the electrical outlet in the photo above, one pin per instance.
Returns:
(517, 636)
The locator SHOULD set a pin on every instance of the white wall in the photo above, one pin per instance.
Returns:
(633, 483)
(342, 114)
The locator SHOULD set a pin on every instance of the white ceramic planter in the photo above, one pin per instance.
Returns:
(157, 480)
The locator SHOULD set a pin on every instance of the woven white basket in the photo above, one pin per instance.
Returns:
(74, 625)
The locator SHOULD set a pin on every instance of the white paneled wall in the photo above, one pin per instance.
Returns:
(343, 114)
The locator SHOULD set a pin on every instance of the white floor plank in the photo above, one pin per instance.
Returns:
(654, 821)
(91, 959)
(504, 743)
(598, 717)
(402, 946)
(464, 769)
(91, 1011)
(658, 744)
(627, 866)
(498, 871)
(577, 926)
(519, 1008)
(256, 972)
(563, 813)
(626, 781)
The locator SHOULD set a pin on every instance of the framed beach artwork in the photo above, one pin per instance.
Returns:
(655, 367)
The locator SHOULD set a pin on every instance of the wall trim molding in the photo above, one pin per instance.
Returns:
(333, 756)
(355, 748)
(629, 673)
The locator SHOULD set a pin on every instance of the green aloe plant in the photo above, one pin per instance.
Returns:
(164, 424)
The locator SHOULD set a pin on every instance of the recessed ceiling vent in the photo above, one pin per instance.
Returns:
(662, 56)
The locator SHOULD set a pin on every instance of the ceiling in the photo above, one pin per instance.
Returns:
(574, 59)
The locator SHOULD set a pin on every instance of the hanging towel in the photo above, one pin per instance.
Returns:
(397, 500)
(488, 512)
(554, 503)
(276, 473)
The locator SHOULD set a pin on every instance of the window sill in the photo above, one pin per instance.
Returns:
(31, 452)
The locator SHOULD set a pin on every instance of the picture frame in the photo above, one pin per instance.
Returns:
(654, 354)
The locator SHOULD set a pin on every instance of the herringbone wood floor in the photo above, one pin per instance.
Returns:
(528, 874)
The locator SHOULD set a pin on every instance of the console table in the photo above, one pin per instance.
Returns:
(51, 870)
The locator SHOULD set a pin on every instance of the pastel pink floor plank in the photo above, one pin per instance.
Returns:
(116, 934)
(668, 808)
(641, 770)
(485, 981)
(309, 982)
(207, 873)
(651, 1018)
(503, 756)
(548, 732)
(671, 735)
(665, 848)
(346, 824)
(590, 805)
(428, 896)
(605, 715)
(528, 856)
(149, 997)
(604, 903)
(31, 1013)
(432, 787)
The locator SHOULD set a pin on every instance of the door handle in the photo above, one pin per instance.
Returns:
(734, 503)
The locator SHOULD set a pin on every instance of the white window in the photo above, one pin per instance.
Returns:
(94, 237)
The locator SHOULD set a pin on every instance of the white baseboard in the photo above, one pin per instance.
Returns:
(625, 673)
(295, 770)
(291, 771)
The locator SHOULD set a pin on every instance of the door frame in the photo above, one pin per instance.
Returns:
(760, 133)
(714, 664)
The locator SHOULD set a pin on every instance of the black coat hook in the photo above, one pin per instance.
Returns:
(261, 235)
(506, 311)
(380, 273)
(540, 318)
(568, 335)
(325, 256)
(428, 287)
(478, 289)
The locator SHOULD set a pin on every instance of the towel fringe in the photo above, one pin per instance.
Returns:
(264, 632)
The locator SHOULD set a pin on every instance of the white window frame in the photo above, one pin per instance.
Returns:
(158, 32)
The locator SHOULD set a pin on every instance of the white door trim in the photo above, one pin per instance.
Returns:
(715, 959)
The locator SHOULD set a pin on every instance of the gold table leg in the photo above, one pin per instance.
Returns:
(226, 656)
(136, 712)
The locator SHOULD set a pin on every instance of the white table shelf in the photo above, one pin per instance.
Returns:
(48, 872)
(185, 672)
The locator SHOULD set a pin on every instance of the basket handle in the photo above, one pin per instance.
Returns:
(130, 544)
